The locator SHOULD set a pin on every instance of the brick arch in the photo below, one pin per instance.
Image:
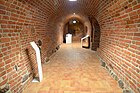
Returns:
(81, 18)
(68, 26)
(61, 24)
(95, 35)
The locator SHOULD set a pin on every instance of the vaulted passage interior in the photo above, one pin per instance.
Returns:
(113, 27)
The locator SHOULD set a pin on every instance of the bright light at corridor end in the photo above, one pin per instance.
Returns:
(74, 22)
(72, 0)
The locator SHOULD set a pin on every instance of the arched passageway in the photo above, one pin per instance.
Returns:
(95, 34)
(76, 28)
(113, 26)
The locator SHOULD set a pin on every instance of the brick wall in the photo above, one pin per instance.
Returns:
(21, 23)
(120, 39)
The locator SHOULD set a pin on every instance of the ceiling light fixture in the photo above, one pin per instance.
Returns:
(74, 21)
(72, 0)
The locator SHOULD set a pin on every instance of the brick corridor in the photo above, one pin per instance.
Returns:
(74, 70)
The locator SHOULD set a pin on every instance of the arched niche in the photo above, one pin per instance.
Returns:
(95, 34)
(75, 27)
(64, 20)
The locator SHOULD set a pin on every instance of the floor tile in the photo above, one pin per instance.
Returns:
(74, 70)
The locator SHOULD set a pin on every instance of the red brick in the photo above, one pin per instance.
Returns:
(130, 22)
(133, 13)
(7, 66)
(3, 21)
(3, 40)
(3, 82)
(1, 69)
(136, 7)
(9, 70)
(137, 20)
(138, 12)
(1, 55)
(134, 17)
(12, 6)
(134, 3)
(129, 10)
(4, 77)
(8, 61)
(136, 38)
(2, 73)
(1, 64)
(4, 49)
(137, 43)
(137, 34)
(2, 2)
(2, 12)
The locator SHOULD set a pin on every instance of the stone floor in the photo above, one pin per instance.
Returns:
(74, 70)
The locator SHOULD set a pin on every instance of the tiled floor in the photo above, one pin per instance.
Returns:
(74, 70)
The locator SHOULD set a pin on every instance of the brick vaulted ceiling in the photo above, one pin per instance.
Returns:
(58, 12)
(62, 7)
(59, 9)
